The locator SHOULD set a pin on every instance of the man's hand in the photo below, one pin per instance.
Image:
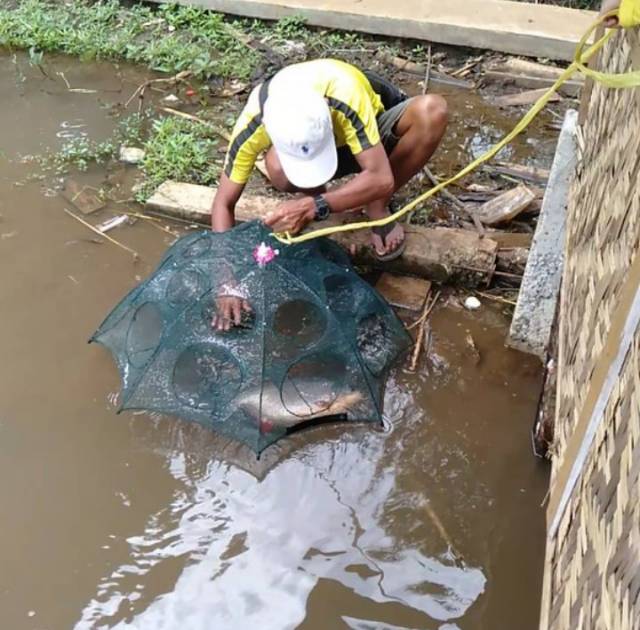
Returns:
(291, 216)
(610, 5)
(229, 311)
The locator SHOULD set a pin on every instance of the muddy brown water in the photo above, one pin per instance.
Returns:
(142, 521)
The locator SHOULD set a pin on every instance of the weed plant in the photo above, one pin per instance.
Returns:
(181, 150)
(167, 38)
(80, 152)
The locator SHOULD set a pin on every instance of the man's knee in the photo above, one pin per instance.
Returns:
(433, 111)
(276, 175)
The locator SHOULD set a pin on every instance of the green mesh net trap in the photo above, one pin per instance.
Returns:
(315, 346)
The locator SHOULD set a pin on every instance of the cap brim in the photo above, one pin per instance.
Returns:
(313, 172)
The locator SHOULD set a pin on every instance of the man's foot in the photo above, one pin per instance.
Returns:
(388, 241)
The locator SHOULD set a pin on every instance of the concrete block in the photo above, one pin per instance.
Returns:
(521, 28)
(437, 254)
(540, 290)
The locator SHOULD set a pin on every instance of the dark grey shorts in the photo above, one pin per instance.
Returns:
(387, 121)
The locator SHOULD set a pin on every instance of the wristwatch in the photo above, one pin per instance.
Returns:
(323, 210)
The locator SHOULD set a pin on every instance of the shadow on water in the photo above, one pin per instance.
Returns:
(145, 522)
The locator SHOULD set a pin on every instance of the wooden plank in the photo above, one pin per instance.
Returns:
(403, 292)
(523, 98)
(536, 30)
(527, 173)
(511, 240)
(84, 198)
(505, 206)
(437, 254)
(570, 88)
(532, 69)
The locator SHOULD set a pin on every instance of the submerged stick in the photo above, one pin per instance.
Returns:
(496, 298)
(135, 254)
(155, 221)
(425, 313)
(202, 121)
(140, 90)
(422, 323)
(437, 523)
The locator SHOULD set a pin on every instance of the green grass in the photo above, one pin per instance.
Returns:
(181, 150)
(168, 38)
(79, 153)
(175, 148)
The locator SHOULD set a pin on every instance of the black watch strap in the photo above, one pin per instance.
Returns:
(323, 209)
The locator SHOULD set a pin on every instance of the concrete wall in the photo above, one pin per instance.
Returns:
(514, 27)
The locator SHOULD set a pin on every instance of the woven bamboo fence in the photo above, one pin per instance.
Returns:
(592, 577)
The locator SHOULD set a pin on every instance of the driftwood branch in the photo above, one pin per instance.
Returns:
(140, 90)
(421, 322)
(427, 74)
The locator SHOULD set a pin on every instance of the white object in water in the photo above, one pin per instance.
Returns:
(472, 303)
(171, 100)
(112, 223)
(131, 155)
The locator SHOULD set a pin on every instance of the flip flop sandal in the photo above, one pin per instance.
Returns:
(384, 231)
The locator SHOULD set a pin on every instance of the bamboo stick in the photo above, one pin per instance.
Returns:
(135, 254)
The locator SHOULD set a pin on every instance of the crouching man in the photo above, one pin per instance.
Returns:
(319, 121)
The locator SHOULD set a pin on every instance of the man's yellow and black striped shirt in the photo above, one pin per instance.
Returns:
(352, 101)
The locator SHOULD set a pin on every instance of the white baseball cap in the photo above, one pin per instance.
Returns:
(298, 121)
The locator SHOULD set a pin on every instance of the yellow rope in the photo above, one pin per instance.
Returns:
(582, 56)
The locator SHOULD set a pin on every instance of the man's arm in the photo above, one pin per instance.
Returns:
(224, 204)
(374, 182)
(229, 308)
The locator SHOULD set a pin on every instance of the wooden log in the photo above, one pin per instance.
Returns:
(193, 203)
(526, 173)
(513, 249)
(570, 88)
(437, 254)
(505, 206)
(523, 98)
(532, 69)
(513, 260)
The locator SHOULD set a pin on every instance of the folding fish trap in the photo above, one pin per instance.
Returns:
(315, 342)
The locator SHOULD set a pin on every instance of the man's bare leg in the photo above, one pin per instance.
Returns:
(420, 130)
